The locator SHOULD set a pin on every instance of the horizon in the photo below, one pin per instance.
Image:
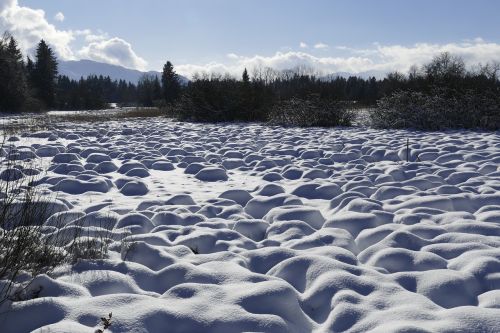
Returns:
(360, 37)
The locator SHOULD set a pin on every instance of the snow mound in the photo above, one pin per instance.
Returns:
(212, 174)
(134, 188)
(252, 228)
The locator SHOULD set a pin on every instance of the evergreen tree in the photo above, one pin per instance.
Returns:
(46, 74)
(245, 77)
(13, 88)
(30, 71)
(157, 94)
(170, 82)
(146, 90)
(15, 52)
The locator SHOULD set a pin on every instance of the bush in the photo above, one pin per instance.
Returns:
(223, 99)
(478, 110)
(311, 112)
(23, 248)
(29, 247)
(445, 109)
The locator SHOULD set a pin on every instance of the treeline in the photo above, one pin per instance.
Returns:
(216, 97)
(34, 85)
(26, 85)
(93, 93)
(440, 94)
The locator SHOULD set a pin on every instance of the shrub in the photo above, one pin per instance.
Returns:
(23, 248)
(478, 110)
(223, 99)
(445, 109)
(405, 109)
(311, 112)
(29, 247)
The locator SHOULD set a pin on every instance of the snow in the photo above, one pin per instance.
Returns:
(252, 228)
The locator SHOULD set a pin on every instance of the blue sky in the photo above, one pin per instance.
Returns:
(224, 35)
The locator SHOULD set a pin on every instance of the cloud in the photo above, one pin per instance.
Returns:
(320, 46)
(30, 25)
(232, 56)
(114, 51)
(6, 4)
(59, 17)
(303, 45)
(377, 60)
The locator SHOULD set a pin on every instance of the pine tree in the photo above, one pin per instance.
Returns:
(170, 82)
(245, 76)
(30, 71)
(146, 90)
(13, 88)
(15, 52)
(46, 74)
(157, 94)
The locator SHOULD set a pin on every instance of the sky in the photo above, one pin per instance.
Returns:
(330, 36)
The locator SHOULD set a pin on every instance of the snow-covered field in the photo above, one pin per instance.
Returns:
(249, 228)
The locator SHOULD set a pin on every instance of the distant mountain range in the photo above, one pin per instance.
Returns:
(83, 68)
(364, 75)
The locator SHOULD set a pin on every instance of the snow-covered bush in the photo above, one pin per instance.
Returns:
(24, 251)
(443, 110)
(311, 112)
(28, 245)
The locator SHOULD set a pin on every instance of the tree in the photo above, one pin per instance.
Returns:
(245, 77)
(146, 90)
(445, 69)
(170, 82)
(14, 51)
(13, 88)
(30, 71)
(157, 94)
(45, 74)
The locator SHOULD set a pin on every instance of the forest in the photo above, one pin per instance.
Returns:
(444, 93)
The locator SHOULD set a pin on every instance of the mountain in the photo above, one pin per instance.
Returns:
(363, 75)
(76, 69)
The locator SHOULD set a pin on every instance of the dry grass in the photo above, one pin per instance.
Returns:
(44, 121)
(106, 115)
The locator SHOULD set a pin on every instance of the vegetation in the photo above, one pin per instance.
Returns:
(311, 112)
(13, 84)
(441, 94)
(34, 235)
(171, 84)
(44, 75)
(148, 90)
(93, 93)
(105, 323)
(218, 98)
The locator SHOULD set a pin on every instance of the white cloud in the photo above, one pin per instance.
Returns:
(232, 56)
(113, 51)
(320, 46)
(30, 25)
(59, 17)
(377, 60)
(6, 4)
